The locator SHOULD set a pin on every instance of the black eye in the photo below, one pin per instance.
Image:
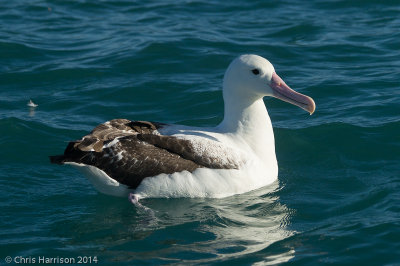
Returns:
(255, 71)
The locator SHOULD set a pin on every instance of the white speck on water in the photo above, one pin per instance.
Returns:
(32, 104)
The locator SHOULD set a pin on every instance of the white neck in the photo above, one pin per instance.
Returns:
(249, 120)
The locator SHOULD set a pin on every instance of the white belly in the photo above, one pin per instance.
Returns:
(202, 183)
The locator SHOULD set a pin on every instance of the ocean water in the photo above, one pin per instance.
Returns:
(337, 200)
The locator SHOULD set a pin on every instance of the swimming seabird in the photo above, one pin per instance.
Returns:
(151, 159)
(31, 104)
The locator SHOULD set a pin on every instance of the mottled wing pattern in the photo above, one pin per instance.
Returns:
(207, 153)
(129, 151)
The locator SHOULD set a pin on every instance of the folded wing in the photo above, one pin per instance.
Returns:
(129, 151)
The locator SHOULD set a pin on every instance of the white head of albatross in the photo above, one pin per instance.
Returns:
(148, 159)
(247, 80)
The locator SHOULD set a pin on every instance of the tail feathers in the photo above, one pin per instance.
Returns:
(57, 159)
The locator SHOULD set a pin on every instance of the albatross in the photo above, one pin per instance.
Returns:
(142, 159)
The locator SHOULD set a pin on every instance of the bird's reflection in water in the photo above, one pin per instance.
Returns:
(32, 111)
(194, 230)
(238, 226)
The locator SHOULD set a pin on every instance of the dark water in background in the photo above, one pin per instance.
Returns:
(84, 62)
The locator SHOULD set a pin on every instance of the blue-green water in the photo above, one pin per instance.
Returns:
(84, 62)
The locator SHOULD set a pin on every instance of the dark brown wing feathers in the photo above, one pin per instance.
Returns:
(138, 153)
